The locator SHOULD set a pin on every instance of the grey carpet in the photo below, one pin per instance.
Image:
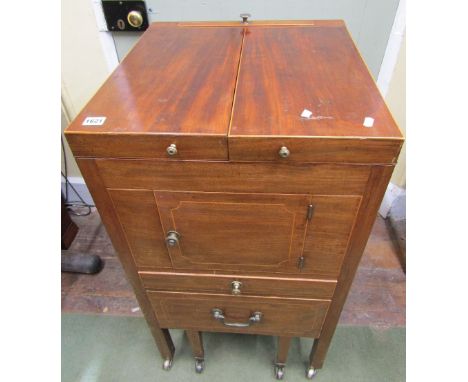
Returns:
(121, 349)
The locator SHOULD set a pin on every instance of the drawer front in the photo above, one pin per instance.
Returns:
(167, 147)
(294, 317)
(238, 285)
(317, 150)
(280, 177)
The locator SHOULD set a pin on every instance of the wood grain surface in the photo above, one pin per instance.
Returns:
(174, 81)
(255, 177)
(314, 150)
(234, 231)
(251, 285)
(328, 234)
(376, 187)
(139, 218)
(201, 87)
(295, 317)
(285, 70)
(189, 147)
(196, 343)
(283, 350)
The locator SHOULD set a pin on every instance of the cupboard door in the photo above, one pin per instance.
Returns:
(252, 232)
(138, 216)
(328, 234)
(235, 231)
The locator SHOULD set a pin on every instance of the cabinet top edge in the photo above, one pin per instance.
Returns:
(396, 138)
(252, 23)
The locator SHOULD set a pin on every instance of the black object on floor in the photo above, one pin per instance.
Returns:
(81, 262)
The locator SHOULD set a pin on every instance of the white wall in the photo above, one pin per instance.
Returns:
(396, 101)
(369, 21)
(84, 66)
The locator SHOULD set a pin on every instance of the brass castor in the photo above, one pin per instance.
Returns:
(279, 371)
(311, 372)
(199, 365)
(167, 364)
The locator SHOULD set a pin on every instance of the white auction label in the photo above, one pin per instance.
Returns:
(306, 114)
(94, 121)
(368, 122)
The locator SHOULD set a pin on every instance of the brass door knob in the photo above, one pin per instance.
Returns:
(172, 238)
(135, 19)
(283, 152)
(172, 149)
(236, 287)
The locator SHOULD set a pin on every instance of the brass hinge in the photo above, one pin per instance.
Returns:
(310, 211)
(300, 262)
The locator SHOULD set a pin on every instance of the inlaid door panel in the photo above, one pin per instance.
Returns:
(328, 233)
(234, 231)
(138, 215)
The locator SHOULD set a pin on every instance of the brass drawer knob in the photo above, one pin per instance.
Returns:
(172, 149)
(236, 287)
(172, 238)
(283, 152)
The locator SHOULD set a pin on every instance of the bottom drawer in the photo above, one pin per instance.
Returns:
(223, 313)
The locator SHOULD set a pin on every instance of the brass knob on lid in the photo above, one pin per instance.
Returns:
(283, 152)
(245, 17)
(172, 149)
(135, 19)
(236, 287)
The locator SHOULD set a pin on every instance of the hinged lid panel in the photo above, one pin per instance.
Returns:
(309, 83)
(176, 82)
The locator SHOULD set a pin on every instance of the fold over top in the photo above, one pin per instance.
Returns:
(288, 69)
(176, 80)
(198, 86)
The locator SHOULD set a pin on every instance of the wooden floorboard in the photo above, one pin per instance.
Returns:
(377, 297)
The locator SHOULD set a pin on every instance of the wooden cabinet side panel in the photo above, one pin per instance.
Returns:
(375, 190)
(111, 222)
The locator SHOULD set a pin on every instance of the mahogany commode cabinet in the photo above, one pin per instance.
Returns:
(238, 169)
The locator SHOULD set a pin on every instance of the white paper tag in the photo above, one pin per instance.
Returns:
(94, 121)
(368, 122)
(306, 113)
